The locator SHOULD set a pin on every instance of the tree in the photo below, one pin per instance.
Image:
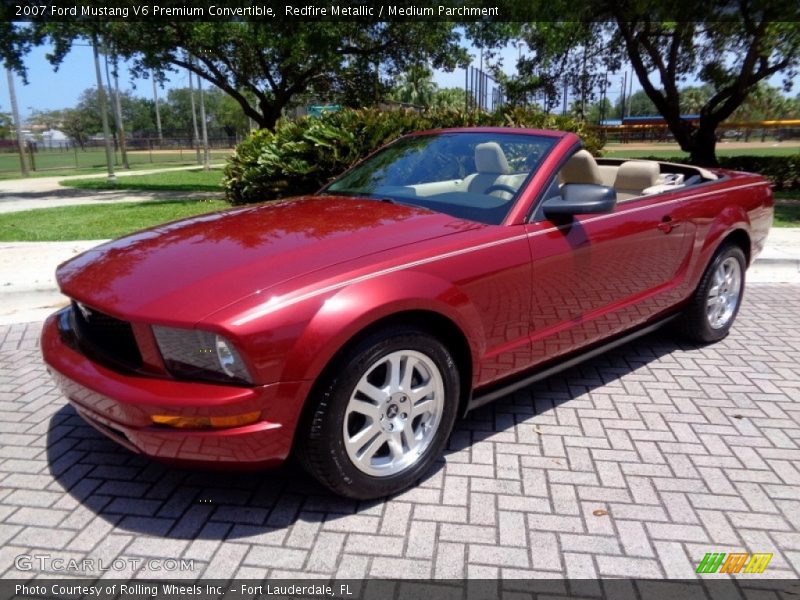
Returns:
(560, 57)
(732, 51)
(264, 65)
(763, 103)
(527, 88)
(83, 120)
(224, 115)
(453, 98)
(229, 116)
(15, 41)
(601, 111)
(5, 125)
(48, 119)
(762, 47)
(638, 104)
(176, 111)
(415, 86)
(792, 109)
(80, 125)
(137, 113)
(693, 99)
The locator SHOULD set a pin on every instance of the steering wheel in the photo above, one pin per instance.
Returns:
(500, 187)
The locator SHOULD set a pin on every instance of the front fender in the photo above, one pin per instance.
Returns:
(352, 309)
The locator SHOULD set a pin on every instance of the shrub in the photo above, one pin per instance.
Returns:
(782, 171)
(300, 156)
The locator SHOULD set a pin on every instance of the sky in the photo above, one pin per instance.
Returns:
(48, 89)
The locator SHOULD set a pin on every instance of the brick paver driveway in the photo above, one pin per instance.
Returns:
(634, 464)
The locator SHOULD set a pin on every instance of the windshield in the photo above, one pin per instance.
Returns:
(474, 176)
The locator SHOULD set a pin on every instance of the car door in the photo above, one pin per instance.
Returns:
(596, 275)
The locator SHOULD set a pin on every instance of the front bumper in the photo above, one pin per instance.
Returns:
(121, 406)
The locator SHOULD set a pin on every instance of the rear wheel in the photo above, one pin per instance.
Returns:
(715, 303)
(382, 414)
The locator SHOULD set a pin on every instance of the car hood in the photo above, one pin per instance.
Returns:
(185, 270)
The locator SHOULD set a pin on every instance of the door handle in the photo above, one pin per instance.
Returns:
(667, 224)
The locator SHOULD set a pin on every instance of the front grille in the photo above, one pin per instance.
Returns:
(105, 337)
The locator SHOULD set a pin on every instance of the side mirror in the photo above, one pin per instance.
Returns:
(581, 199)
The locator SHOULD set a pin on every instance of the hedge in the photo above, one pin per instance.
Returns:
(300, 156)
(782, 171)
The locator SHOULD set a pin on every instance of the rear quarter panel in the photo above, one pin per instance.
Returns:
(740, 202)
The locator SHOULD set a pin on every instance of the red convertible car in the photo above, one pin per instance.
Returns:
(353, 326)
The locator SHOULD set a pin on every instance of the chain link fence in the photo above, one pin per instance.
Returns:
(756, 131)
(55, 156)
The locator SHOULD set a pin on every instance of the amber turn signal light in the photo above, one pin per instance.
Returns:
(206, 422)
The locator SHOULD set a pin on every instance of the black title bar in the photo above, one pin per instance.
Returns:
(360, 10)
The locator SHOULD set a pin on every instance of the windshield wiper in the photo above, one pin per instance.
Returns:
(354, 194)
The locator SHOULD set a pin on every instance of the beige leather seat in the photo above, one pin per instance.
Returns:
(581, 168)
(634, 176)
(492, 169)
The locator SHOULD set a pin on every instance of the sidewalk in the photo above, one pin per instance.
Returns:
(28, 289)
(30, 293)
(46, 192)
(43, 184)
(780, 260)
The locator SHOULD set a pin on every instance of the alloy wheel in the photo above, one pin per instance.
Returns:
(393, 413)
(724, 293)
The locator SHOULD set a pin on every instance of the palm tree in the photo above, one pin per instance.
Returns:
(415, 86)
(455, 98)
(763, 103)
(694, 98)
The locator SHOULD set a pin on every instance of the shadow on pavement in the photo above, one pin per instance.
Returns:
(139, 495)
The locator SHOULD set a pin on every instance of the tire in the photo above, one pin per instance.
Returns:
(713, 309)
(373, 427)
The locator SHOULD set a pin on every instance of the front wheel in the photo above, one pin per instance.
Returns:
(381, 415)
(715, 303)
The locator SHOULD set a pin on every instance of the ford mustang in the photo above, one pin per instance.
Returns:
(352, 327)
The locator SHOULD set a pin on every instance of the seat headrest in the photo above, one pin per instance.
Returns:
(489, 158)
(581, 168)
(637, 175)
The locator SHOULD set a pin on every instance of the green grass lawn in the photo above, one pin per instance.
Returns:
(96, 221)
(787, 209)
(93, 160)
(621, 152)
(182, 181)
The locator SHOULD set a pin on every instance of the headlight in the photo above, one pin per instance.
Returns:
(196, 354)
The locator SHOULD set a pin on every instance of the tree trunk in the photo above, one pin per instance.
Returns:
(268, 115)
(703, 145)
(269, 120)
